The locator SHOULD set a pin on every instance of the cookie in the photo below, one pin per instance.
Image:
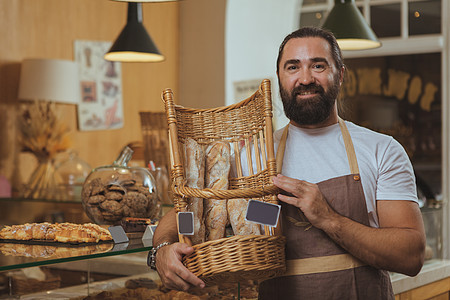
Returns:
(97, 199)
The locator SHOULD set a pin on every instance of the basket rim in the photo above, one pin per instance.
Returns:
(215, 109)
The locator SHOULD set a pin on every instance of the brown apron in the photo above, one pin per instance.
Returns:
(317, 267)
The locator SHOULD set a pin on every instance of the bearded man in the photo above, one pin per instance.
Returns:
(355, 187)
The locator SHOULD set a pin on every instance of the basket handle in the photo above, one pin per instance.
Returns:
(183, 190)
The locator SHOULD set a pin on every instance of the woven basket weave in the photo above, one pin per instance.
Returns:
(247, 127)
(237, 258)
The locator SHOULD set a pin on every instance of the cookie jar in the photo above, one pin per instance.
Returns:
(114, 192)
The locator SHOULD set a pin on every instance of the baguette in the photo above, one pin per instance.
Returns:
(195, 178)
(237, 208)
(217, 171)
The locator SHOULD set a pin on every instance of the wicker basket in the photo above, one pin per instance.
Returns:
(247, 127)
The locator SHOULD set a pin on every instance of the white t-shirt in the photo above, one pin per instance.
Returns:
(315, 155)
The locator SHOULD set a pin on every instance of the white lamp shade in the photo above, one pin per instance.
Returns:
(50, 79)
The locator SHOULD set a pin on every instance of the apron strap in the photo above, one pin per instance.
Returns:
(321, 264)
(349, 148)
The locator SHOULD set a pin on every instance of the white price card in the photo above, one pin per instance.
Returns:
(147, 237)
(118, 234)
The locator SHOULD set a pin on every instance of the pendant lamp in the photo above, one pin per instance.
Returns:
(349, 27)
(134, 43)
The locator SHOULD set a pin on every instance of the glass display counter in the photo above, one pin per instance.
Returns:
(70, 264)
(18, 256)
(28, 254)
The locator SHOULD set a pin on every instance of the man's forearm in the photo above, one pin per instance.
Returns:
(393, 249)
(167, 229)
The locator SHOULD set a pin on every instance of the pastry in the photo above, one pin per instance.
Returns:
(59, 232)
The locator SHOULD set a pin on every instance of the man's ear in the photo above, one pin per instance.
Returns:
(341, 75)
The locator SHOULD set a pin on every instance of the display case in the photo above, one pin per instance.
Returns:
(26, 255)
(74, 272)
(90, 263)
(15, 257)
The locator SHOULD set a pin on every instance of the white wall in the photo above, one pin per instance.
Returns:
(254, 30)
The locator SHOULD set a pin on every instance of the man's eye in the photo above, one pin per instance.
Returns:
(292, 67)
(319, 67)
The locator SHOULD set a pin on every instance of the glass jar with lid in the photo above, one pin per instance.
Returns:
(114, 192)
(72, 173)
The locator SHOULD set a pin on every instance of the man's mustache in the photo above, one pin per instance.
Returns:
(313, 88)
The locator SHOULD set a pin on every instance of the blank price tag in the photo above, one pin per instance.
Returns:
(263, 213)
(147, 238)
(149, 232)
(118, 234)
(186, 223)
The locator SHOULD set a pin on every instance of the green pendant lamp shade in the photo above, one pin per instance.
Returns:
(134, 43)
(349, 27)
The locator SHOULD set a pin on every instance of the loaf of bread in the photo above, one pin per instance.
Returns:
(59, 232)
(195, 178)
(217, 171)
(237, 208)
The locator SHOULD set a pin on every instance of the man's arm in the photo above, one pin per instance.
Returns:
(172, 272)
(398, 245)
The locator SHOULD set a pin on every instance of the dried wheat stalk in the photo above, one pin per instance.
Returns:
(43, 134)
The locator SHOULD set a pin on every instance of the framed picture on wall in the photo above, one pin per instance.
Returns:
(101, 87)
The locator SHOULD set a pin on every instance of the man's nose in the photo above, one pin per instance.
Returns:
(305, 77)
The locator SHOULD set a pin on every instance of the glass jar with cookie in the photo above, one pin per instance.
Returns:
(114, 192)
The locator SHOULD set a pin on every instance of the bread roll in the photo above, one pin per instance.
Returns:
(217, 171)
(237, 209)
(195, 177)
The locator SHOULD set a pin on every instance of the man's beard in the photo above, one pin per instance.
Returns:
(313, 110)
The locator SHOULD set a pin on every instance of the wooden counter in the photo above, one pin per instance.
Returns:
(433, 282)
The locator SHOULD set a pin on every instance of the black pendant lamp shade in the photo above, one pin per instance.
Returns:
(134, 44)
(349, 27)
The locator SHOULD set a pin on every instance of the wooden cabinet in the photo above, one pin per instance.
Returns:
(438, 290)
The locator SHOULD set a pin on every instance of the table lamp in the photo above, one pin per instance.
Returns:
(41, 130)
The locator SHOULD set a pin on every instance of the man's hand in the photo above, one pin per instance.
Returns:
(173, 274)
(308, 198)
